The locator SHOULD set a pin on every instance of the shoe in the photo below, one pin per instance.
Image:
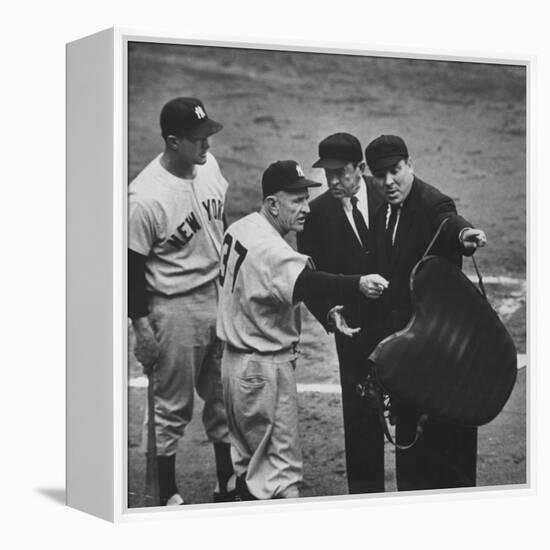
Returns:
(175, 500)
(227, 496)
(243, 491)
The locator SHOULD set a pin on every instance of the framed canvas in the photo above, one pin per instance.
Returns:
(465, 122)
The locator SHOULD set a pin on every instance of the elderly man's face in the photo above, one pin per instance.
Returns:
(396, 181)
(293, 209)
(345, 181)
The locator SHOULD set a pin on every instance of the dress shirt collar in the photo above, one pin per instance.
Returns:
(361, 198)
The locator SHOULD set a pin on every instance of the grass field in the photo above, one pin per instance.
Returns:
(464, 124)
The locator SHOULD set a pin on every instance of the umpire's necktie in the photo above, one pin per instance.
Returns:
(390, 229)
(359, 221)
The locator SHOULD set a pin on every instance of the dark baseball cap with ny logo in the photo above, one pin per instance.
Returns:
(285, 175)
(187, 117)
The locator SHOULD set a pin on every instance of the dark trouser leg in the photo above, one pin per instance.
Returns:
(167, 477)
(243, 491)
(224, 466)
(444, 457)
(363, 435)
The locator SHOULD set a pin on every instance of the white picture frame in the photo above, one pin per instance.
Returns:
(97, 174)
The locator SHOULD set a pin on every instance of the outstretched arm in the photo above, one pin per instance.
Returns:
(313, 287)
(458, 232)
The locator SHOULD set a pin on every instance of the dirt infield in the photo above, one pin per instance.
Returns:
(464, 124)
(501, 452)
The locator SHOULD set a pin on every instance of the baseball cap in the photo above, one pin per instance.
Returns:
(186, 116)
(385, 151)
(336, 150)
(285, 175)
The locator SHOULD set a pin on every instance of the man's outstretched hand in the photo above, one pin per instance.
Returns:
(336, 319)
(473, 238)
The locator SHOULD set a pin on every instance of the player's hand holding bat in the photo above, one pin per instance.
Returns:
(373, 285)
(146, 349)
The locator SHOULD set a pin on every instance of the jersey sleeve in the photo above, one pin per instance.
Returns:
(137, 296)
(141, 229)
(285, 267)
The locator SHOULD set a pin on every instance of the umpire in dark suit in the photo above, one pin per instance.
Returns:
(444, 456)
(337, 237)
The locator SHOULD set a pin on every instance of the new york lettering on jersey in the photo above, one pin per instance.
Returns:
(186, 230)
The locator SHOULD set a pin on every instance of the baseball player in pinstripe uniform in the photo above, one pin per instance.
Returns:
(175, 232)
(263, 281)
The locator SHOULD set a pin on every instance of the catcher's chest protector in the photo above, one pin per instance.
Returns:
(454, 360)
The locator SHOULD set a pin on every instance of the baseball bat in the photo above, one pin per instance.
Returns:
(152, 490)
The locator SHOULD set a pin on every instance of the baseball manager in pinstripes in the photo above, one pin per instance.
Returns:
(263, 281)
(175, 235)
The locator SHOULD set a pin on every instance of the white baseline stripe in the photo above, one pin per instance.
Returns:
(497, 280)
(141, 381)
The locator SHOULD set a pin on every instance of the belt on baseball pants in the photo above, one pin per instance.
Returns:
(281, 356)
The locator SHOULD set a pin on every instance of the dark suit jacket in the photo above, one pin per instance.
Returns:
(422, 212)
(331, 242)
(445, 456)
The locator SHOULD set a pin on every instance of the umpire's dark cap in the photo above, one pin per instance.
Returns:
(384, 152)
(337, 150)
(285, 175)
(186, 117)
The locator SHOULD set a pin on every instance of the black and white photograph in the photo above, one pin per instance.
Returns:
(275, 275)
(327, 274)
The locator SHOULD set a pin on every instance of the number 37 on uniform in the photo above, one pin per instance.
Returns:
(227, 248)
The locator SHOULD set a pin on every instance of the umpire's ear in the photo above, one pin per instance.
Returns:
(362, 166)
